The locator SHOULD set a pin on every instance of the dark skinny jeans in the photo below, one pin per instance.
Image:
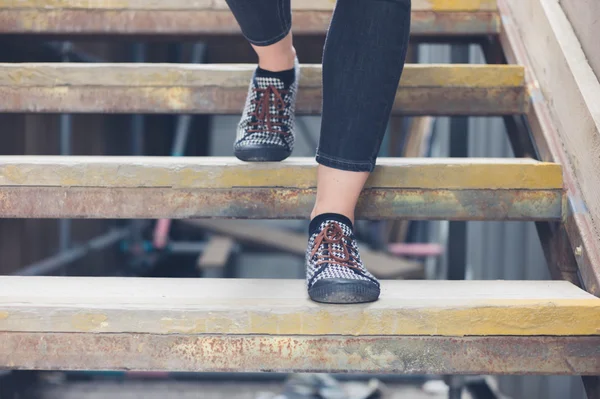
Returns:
(363, 59)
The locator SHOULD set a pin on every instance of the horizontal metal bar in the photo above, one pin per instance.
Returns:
(222, 89)
(400, 355)
(267, 203)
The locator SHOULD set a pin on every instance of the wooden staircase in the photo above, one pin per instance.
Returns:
(426, 327)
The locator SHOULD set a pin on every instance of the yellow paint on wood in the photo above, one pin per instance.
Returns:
(89, 321)
(510, 318)
(248, 307)
(214, 172)
(461, 5)
(59, 76)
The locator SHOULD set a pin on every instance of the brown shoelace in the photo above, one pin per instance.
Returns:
(262, 111)
(333, 234)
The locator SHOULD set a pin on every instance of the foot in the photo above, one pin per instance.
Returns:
(335, 273)
(266, 130)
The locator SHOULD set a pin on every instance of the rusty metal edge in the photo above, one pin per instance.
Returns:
(373, 354)
(578, 224)
(274, 203)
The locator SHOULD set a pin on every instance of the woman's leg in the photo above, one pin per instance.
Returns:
(362, 63)
(266, 129)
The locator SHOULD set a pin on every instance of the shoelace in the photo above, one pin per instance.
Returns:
(330, 235)
(262, 111)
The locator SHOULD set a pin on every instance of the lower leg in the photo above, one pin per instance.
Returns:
(277, 57)
(338, 191)
(362, 63)
(266, 24)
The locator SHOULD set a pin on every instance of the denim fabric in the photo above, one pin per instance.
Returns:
(363, 59)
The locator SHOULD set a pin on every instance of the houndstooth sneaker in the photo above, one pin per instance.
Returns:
(266, 131)
(335, 273)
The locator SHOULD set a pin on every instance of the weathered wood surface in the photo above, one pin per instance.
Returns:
(155, 187)
(380, 264)
(564, 116)
(248, 306)
(179, 17)
(222, 88)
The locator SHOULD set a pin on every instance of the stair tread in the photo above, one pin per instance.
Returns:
(297, 172)
(436, 89)
(177, 187)
(247, 306)
(457, 17)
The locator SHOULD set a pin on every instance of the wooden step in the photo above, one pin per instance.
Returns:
(424, 327)
(222, 89)
(167, 187)
(212, 17)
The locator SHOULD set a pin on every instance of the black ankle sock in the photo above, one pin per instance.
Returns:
(287, 77)
(315, 224)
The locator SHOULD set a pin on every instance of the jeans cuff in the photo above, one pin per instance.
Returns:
(341, 164)
(268, 42)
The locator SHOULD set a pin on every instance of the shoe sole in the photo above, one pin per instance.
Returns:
(343, 291)
(261, 154)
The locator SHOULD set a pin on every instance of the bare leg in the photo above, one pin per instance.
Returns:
(338, 191)
(277, 57)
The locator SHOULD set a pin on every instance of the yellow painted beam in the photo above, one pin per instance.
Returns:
(281, 307)
(236, 75)
(299, 173)
(221, 88)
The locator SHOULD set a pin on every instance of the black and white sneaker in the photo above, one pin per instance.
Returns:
(334, 271)
(266, 131)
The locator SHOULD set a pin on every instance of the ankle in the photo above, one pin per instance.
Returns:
(282, 60)
(316, 212)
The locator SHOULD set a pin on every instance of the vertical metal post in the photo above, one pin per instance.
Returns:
(66, 130)
(459, 139)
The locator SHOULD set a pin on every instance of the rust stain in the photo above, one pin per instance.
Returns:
(409, 355)
(4, 315)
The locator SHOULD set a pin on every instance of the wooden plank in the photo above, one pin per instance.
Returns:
(187, 5)
(222, 88)
(155, 187)
(296, 172)
(77, 17)
(279, 353)
(564, 117)
(216, 254)
(248, 306)
(380, 264)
